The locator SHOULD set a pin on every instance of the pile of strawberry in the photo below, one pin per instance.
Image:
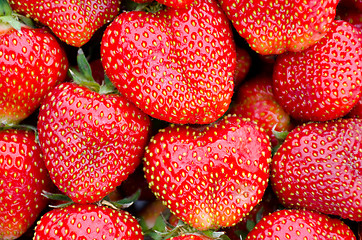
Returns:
(189, 119)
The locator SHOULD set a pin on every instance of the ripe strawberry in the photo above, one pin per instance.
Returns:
(91, 142)
(243, 63)
(32, 62)
(273, 27)
(318, 167)
(255, 100)
(74, 22)
(356, 111)
(324, 81)
(87, 221)
(176, 65)
(300, 224)
(210, 176)
(23, 177)
(190, 237)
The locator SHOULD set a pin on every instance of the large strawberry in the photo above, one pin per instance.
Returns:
(74, 22)
(323, 82)
(176, 65)
(91, 142)
(319, 167)
(88, 222)
(23, 177)
(300, 224)
(31, 62)
(273, 27)
(209, 176)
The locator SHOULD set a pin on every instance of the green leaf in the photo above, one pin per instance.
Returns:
(5, 8)
(14, 23)
(128, 201)
(84, 66)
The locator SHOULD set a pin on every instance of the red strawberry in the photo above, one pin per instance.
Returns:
(74, 22)
(318, 167)
(273, 27)
(300, 224)
(23, 177)
(356, 111)
(243, 63)
(209, 176)
(324, 81)
(87, 222)
(176, 65)
(190, 237)
(91, 142)
(255, 100)
(32, 62)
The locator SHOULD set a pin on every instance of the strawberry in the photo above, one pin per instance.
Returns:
(356, 111)
(74, 22)
(190, 237)
(209, 176)
(243, 63)
(23, 177)
(318, 167)
(32, 62)
(87, 221)
(255, 100)
(176, 65)
(323, 82)
(91, 142)
(300, 224)
(273, 27)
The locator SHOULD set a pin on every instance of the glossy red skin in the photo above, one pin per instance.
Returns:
(87, 222)
(300, 224)
(184, 84)
(23, 177)
(319, 166)
(74, 22)
(255, 100)
(91, 142)
(32, 62)
(211, 176)
(243, 63)
(273, 27)
(356, 111)
(190, 237)
(323, 82)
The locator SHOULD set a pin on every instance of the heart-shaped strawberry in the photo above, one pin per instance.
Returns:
(91, 142)
(176, 65)
(209, 176)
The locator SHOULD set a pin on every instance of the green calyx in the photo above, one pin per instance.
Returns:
(84, 77)
(5, 9)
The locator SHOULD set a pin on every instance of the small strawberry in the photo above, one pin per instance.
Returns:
(32, 62)
(74, 22)
(87, 222)
(190, 237)
(210, 176)
(255, 100)
(323, 82)
(318, 167)
(23, 177)
(176, 65)
(300, 224)
(91, 141)
(273, 27)
(243, 63)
